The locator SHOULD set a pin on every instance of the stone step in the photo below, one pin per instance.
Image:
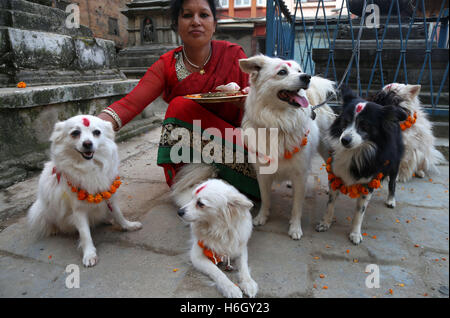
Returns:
(50, 77)
(417, 32)
(36, 56)
(13, 98)
(29, 7)
(125, 62)
(440, 128)
(390, 56)
(146, 50)
(388, 77)
(133, 72)
(426, 100)
(26, 15)
(442, 144)
(388, 43)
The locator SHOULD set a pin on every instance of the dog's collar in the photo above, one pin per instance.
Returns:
(83, 195)
(288, 154)
(411, 120)
(354, 190)
(213, 257)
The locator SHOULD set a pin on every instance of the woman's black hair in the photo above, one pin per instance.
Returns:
(176, 7)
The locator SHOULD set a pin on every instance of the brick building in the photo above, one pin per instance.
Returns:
(243, 22)
(103, 17)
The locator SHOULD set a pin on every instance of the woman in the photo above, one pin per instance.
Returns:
(198, 66)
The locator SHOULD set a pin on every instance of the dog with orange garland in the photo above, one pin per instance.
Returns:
(77, 186)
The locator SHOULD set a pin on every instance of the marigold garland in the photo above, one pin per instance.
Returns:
(289, 154)
(95, 197)
(411, 120)
(210, 254)
(21, 85)
(354, 190)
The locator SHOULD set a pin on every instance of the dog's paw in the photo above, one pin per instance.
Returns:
(90, 259)
(133, 226)
(420, 174)
(260, 219)
(390, 203)
(230, 290)
(295, 232)
(250, 287)
(323, 226)
(355, 238)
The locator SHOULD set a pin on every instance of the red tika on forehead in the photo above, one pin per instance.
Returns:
(200, 189)
(279, 65)
(360, 107)
(86, 122)
(390, 86)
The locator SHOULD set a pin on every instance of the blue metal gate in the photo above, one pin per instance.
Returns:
(395, 46)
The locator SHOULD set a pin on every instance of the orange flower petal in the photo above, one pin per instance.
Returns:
(304, 141)
(82, 195)
(90, 198)
(106, 195)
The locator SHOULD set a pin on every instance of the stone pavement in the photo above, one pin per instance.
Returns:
(408, 244)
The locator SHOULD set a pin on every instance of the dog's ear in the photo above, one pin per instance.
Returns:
(109, 131)
(252, 65)
(394, 113)
(57, 134)
(413, 90)
(239, 201)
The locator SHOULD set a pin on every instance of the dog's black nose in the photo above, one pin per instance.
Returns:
(305, 78)
(346, 140)
(181, 212)
(87, 144)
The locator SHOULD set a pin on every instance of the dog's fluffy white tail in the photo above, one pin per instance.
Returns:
(437, 158)
(187, 178)
(321, 89)
(37, 223)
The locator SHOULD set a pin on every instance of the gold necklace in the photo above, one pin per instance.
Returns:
(201, 68)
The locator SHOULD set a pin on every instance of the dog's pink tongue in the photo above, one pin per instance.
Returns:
(301, 100)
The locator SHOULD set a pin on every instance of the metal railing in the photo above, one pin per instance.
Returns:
(408, 48)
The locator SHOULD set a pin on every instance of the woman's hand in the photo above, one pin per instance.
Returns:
(109, 118)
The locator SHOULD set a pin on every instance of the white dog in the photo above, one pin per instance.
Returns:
(221, 225)
(280, 97)
(76, 188)
(421, 156)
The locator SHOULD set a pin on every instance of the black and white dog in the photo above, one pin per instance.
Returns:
(421, 156)
(367, 147)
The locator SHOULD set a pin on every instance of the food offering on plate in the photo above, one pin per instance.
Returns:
(225, 93)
